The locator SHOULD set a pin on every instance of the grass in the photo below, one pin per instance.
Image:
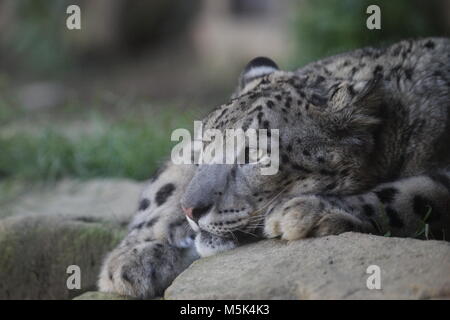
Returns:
(424, 230)
(130, 147)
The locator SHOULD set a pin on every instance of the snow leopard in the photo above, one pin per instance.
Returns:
(364, 146)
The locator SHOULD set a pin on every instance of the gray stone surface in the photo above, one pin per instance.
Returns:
(95, 295)
(331, 267)
(100, 199)
(72, 223)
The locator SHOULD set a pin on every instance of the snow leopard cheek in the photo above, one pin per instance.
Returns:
(208, 244)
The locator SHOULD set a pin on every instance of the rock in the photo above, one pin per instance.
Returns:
(332, 267)
(96, 295)
(73, 223)
(95, 200)
(36, 251)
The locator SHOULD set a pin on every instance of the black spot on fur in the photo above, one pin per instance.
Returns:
(378, 69)
(300, 168)
(429, 44)
(442, 179)
(253, 95)
(368, 210)
(177, 223)
(386, 195)
(270, 104)
(319, 80)
(331, 186)
(151, 222)
(221, 115)
(164, 193)
(153, 274)
(394, 219)
(144, 204)
(233, 172)
(327, 172)
(351, 91)
(157, 253)
(139, 226)
(247, 123)
(260, 116)
(396, 51)
(408, 73)
(125, 276)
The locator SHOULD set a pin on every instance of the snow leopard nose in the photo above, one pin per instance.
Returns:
(196, 213)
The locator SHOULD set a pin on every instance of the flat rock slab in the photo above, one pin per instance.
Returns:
(333, 267)
(99, 199)
(35, 253)
(47, 230)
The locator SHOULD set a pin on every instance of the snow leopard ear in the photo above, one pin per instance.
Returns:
(256, 68)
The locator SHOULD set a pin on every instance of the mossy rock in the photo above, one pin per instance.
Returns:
(36, 251)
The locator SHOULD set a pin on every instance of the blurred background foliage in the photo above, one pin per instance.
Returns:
(35, 41)
(102, 101)
(324, 27)
(38, 42)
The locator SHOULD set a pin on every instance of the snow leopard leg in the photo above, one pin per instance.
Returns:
(159, 245)
(417, 206)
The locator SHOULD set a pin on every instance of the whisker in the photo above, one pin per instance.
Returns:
(249, 233)
(269, 202)
(256, 224)
(232, 235)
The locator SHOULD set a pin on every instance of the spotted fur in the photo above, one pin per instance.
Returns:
(364, 146)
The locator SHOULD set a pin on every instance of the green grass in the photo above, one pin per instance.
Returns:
(424, 230)
(130, 147)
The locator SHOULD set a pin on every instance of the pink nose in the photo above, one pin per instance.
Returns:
(188, 213)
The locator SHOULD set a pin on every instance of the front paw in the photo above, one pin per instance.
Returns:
(308, 216)
(142, 270)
